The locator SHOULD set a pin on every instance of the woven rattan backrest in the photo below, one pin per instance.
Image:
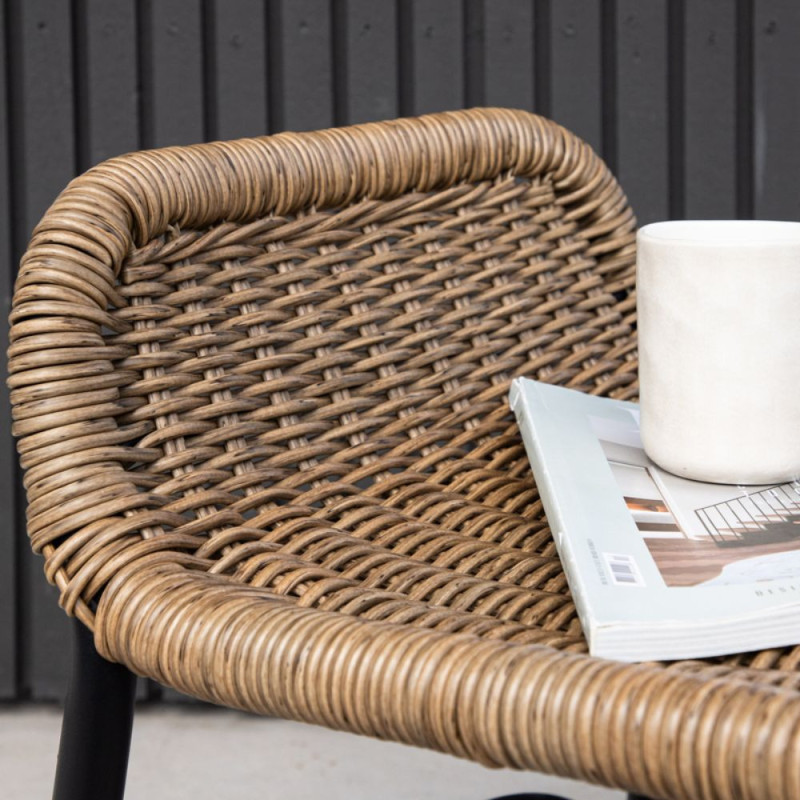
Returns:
(226, 351)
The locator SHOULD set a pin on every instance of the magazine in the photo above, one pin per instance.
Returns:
(660, 567)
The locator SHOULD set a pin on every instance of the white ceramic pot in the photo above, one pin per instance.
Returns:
(719, 348)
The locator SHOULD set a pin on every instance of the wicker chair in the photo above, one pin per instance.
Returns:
(260, 394)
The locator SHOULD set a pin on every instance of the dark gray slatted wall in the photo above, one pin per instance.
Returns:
(693, 104)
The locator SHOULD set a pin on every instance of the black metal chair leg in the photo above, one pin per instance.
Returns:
(96, 730)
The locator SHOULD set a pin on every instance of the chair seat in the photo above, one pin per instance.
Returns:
(260, 390)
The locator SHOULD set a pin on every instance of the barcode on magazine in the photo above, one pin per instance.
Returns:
(624, 571)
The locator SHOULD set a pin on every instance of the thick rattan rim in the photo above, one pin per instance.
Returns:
(694, 731)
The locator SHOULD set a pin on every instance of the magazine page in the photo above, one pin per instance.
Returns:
(647, 548)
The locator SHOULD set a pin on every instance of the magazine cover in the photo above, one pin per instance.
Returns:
(660, 567)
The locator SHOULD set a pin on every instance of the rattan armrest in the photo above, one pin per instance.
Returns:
(260, 394)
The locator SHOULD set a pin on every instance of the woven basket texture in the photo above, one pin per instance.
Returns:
(260, 392)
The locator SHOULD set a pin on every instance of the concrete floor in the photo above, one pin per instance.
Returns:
(203, 753)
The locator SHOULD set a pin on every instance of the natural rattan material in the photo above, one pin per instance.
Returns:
(260, 394)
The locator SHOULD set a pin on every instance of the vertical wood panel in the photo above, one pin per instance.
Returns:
(45, 114)
(642, 147)
(44, 143)
(437, 59)
(8, 472)
(474, 52)
(367, 62)
(777, 100)
(710, 123)
(744, 110)
(109, 118)
(173, 72)
(575, 68)
(239, 94)
(509, 38)
(301, 64)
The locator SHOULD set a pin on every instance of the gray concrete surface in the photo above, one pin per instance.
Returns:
(207, 754)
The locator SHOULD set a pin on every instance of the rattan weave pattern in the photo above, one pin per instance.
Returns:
(260, 394)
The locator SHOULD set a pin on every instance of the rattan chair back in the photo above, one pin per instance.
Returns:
(236, 351)
(260, 391)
